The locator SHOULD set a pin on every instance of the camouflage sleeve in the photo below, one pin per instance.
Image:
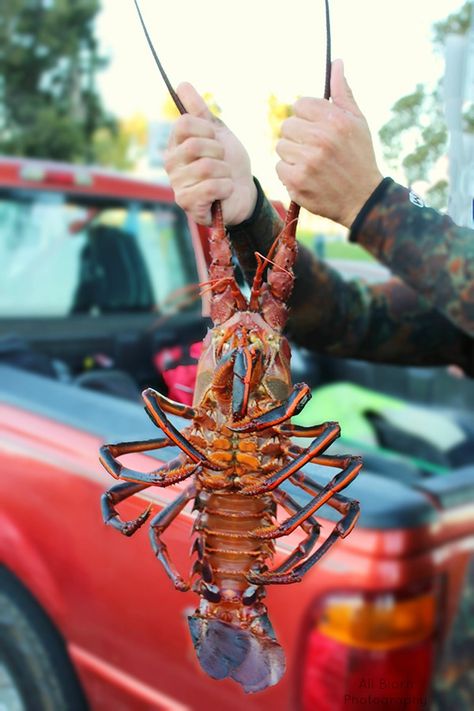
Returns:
(421, 246)
(386, 322)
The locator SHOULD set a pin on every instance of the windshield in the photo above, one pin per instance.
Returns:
(63, 254)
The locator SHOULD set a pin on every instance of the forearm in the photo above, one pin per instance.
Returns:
(386, 323)
(423, 247)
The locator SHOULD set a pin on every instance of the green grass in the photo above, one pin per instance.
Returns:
(343, 250)
(335, 249)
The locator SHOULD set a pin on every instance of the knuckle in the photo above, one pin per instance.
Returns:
(182, 200)
(219, 150)
(300, 105)
(198, 126)
(280, 147)
(209, 191)
(288, 127)
(187, 124)
(226, 187)
(307, 107)
(299, 177)
(322, 146)
(282, 171)
(311, 135)
(182, 128)
(168, 161)
(314, 159)
(201, 215)
(205, 168)
(341, 123)
(191, 148)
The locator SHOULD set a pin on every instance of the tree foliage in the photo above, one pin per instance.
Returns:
(415, 136)
(278, 111)
(49, 57)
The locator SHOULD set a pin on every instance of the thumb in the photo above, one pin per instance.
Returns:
(193, 101)
(341, 93)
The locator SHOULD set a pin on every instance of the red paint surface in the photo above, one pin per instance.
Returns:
(124, 623)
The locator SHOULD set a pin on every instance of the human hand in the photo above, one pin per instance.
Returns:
(327, 157)
(206, 162)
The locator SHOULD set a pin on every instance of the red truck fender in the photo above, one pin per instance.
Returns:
(19, 555)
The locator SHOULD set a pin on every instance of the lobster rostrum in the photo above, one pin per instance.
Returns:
(235, 453)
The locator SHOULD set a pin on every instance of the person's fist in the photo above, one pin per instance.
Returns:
(327, 160)
(206, 162)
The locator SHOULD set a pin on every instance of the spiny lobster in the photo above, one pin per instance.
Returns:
(236, 452)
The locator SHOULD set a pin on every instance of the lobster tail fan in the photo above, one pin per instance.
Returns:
(256, 661)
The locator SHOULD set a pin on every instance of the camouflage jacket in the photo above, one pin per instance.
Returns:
(422, 316)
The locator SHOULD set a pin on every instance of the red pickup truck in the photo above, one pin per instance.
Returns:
(97, 294)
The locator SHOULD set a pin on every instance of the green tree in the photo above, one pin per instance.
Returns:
(49, 57)
(415, 136)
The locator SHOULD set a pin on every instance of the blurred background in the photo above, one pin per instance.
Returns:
(99, 297)
(94, 95)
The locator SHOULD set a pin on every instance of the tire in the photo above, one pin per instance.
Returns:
(36, 673)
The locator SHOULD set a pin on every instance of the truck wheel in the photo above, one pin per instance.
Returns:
(36, 673)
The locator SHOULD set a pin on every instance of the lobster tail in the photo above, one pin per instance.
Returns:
(251, 656)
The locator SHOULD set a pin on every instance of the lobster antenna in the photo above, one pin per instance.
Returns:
(294, 209)
(174, 95)
(327, 82)
(291, 220)
(221, 267)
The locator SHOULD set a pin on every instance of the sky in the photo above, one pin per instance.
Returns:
(242, 52)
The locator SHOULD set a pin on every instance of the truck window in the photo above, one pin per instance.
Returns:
(62, 254)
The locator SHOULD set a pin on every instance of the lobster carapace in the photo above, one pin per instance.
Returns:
(235, 453)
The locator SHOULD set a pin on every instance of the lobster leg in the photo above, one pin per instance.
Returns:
(109, 452)
(340, 530)
(158, 526)
(174, 408)
(324, 495)
(159, 418)
(114, 496)
(144, 445)
(331, 431)
(300, 395)
(170, 473)
(311, 527)
(301, 430)
(325, 460)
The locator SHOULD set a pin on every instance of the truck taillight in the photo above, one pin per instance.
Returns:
(370, 651)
